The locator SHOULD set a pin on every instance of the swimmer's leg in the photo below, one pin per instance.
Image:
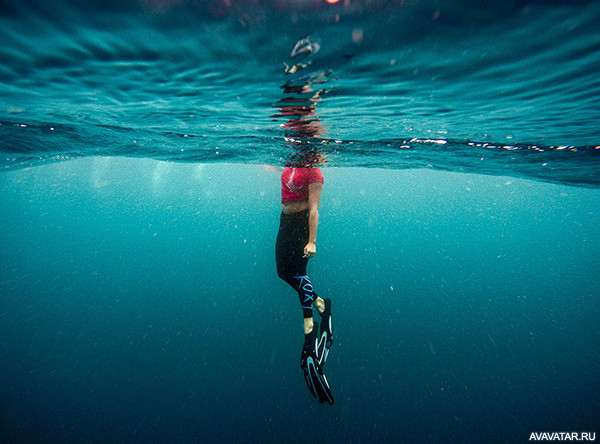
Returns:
(307, 295)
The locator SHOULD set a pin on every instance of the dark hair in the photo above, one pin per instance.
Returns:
(306, 159)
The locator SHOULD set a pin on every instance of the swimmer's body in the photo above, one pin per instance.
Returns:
(296, 243)
(312, 206)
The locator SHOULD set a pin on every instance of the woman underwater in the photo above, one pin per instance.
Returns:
(296, 243)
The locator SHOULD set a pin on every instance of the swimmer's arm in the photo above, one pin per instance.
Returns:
(314, 198)
(277, 169)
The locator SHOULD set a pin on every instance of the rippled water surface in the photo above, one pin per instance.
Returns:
(438, 84)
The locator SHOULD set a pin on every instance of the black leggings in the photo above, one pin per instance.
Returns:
(289, 252)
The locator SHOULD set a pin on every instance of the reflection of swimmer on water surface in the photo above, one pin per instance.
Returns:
(301, 110)
(306, 127)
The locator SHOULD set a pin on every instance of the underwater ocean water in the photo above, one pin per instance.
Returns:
(459, 235)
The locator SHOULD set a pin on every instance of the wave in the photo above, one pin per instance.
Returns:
(570, 165)
(491, 87)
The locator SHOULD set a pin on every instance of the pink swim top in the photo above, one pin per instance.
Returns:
(295, 181)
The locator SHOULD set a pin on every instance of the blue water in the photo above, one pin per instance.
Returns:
(459, 224)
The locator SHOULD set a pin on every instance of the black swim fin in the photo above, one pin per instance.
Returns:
(325, 339)
(313, 373)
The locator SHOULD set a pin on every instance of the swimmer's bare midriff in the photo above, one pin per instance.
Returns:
(294, 206)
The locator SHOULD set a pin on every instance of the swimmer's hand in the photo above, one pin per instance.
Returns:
(310, 249)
